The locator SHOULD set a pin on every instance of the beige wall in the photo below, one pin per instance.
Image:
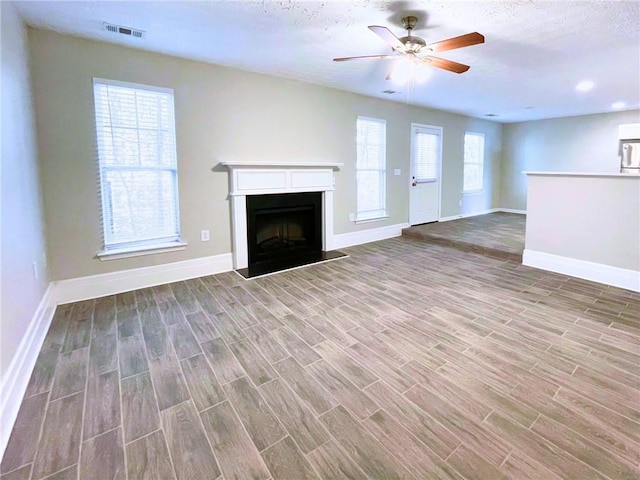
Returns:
(22, 240)
(587, 143)
(590, 218)
(221, 114)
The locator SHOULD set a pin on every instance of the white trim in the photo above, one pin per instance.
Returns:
(94, 286)
(344, 240)
(127, 252)
(596, 272)
(482, 212)
(16, 378)
(327, 221)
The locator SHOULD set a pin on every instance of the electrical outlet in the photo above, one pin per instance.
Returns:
(352, 217)
(204, 235)
(460, 202)
(34, 266)
(397, 172)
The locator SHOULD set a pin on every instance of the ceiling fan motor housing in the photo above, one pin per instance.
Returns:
(411, 44)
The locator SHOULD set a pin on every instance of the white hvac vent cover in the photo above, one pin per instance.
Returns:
(124, 30)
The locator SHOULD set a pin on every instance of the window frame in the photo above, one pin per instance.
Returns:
(365, 216)
(465, 162)
(123, 249)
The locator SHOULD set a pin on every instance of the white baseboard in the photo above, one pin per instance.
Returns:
(94, 286)
(482, 212)
(596, 272)
(345, 240)
(16, 378)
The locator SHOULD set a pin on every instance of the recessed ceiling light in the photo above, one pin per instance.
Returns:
(389, 92)
(528, 108)
(491, 115)
(585, 86)
(618, 105)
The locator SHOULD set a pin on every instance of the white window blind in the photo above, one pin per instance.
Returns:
(371, 167)
(426, 152)
(473, 161)
(136, 138)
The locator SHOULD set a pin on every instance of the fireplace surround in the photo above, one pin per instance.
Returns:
(261, 184)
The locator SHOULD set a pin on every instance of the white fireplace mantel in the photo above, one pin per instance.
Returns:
(252, 178)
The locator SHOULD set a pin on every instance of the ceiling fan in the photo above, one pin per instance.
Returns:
(412, 48)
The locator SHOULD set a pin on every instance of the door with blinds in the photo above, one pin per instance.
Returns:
(426, 159)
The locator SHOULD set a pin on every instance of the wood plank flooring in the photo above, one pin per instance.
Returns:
(405, 360)
(497, 235)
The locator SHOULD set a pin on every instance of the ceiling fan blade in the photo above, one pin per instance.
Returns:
(457, 42)
(445, 64)
(385, 34)
(345, 59)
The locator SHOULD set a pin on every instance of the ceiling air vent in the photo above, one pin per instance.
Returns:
(131, 32)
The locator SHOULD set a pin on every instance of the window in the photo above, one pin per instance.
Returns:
(426, 153)
(137, 166)
(371, 169)
(473, 161)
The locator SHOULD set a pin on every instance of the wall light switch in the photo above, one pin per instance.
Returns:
(396, 171)
(204, 235)
(352, 217)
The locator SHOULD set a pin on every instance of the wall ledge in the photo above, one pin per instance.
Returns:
(16, 379)
(596, 272)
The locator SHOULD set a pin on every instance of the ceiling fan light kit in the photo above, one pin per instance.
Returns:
(410, 48)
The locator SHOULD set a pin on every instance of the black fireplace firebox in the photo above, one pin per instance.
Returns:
(283, 225)
(284, 231)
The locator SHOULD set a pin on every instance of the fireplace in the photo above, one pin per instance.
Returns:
(284, 227)
(281, 215)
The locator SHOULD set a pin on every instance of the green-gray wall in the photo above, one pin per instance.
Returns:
(221, 114)
(586, 143)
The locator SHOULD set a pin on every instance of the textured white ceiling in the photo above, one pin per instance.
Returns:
(534, 55)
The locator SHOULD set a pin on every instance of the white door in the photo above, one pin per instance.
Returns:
(426, 158)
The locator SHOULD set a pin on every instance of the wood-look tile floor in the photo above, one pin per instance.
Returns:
(405, 360)
(498, 234)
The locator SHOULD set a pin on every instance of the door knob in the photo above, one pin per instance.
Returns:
(414, 183)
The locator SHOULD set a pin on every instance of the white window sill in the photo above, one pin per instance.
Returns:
(115, 254)
(473, 192)
(371, 220)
